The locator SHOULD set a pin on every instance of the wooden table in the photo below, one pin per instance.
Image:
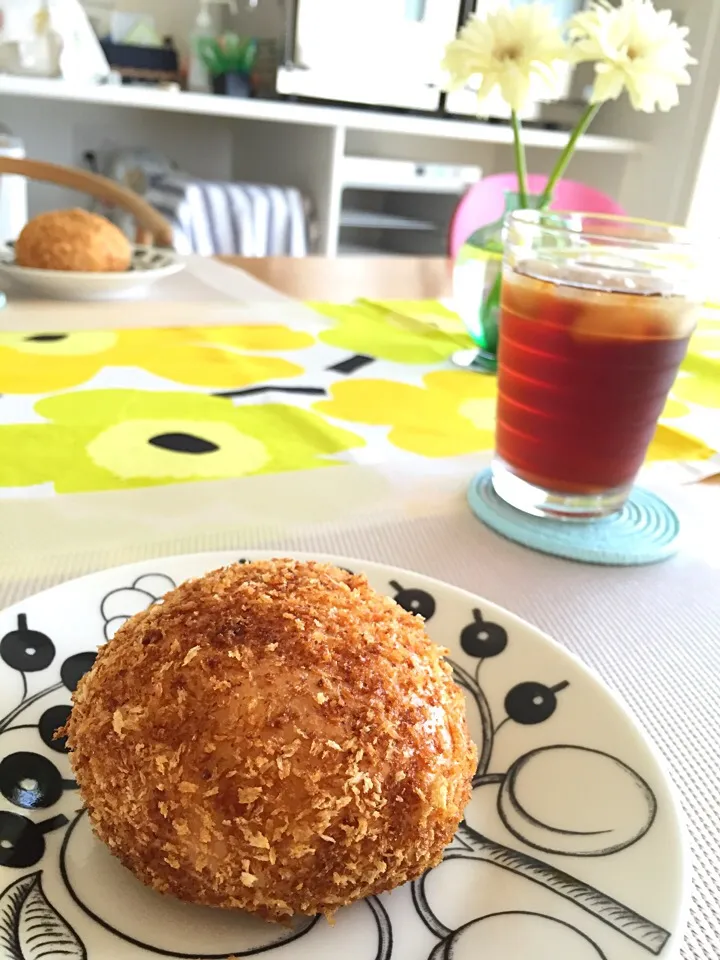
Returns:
(346, 278)
(310, 278)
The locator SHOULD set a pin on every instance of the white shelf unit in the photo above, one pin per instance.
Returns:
(290, 112)
(382, 221)
(398, 206)
(367, 220)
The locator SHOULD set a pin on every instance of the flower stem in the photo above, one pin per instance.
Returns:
(489, 311)
(520, 159)
(566, 156)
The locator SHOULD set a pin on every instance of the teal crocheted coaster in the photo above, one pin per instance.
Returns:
(646, 530)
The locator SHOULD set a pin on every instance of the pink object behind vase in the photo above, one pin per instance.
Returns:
(484, 203)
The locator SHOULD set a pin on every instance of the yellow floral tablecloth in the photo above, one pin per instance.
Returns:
(368, 382)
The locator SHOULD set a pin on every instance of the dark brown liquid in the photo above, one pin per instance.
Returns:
(583, 378)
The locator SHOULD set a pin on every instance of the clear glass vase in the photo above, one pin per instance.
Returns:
(477, 277)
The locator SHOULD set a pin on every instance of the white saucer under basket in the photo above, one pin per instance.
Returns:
(148, 265)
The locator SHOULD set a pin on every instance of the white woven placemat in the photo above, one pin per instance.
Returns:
(652, 633)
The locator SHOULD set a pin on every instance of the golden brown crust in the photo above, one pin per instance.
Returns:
(275, 736)
(73, 240)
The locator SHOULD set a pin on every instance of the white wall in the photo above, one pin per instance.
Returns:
(704, 214)
(661, 184)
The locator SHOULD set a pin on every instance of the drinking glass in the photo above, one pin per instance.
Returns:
(595, 318)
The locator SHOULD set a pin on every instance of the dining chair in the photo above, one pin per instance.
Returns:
(152, 227)
(484, 203)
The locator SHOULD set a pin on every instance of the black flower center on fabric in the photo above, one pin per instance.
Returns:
(183, 443)
(46, 337)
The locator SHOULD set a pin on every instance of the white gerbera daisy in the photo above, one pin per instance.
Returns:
(519, 50)
(635, 48)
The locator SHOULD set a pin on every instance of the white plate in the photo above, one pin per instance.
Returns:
(572, 847)
(147, 267)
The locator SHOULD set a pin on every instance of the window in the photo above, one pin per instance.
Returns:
(563, 9)
(415, 10)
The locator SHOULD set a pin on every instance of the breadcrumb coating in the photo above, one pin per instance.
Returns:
(275, 737)
(73, 240)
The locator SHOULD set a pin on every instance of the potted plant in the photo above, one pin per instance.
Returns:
(229, 59)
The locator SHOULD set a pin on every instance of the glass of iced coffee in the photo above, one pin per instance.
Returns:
(596, 315)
